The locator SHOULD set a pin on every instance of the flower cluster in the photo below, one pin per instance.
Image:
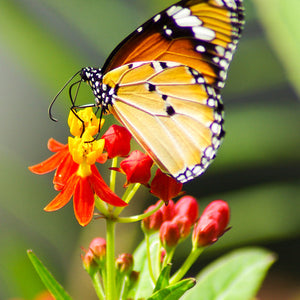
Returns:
(76, 173)
(174, 222)
(94, 263)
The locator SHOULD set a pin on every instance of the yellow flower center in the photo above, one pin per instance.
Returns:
(91, 122)
(83, 147)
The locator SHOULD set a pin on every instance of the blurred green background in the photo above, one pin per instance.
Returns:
(44, 42)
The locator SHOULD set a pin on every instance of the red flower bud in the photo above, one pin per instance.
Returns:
(169, 234)
(98, 247)
(94, 258)
(137, 167)
(164, 186)
(168, 211)
(124, 263)
(184, 225)
(117, 141)
(187, 206)
(89, 263)
(212, 223)
(153, 222)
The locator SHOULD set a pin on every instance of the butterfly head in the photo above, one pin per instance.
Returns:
(93, 77)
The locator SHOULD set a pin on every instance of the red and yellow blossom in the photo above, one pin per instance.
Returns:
(76, 174)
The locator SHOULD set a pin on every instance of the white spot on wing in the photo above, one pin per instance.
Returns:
(189, 21)
(200, 48)
(203, 33)
(182, 13)
(173, 10)
(156, 18)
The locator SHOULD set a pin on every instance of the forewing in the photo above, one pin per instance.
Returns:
(201, 34)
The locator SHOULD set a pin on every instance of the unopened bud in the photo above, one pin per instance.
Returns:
(153, 222)
(98, 248)
(169, 234)
(184, 225)
(212, 223)
(124, 263)
(187, 206)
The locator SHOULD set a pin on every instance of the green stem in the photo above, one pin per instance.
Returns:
(147, 236)
(194, 254)
(110, 259)
(140, 217)
(129, 193)
(113, 174)
(97, 285)
(169, 256)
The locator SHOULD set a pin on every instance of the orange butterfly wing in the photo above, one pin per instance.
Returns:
(201, 34)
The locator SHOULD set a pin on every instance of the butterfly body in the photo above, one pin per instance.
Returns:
(163, 82)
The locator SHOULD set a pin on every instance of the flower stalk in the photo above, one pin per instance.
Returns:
(110, 259)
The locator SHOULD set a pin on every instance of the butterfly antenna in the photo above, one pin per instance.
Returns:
(54, 100)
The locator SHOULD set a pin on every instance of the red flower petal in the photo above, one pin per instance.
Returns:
(102, 190)
(83, 201)
(64, 171)
(164, 186)
(64, 196)
(55, 146)
(49, 164)
(137, 167)
(117, 141)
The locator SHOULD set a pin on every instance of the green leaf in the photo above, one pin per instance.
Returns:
(145, 286)
(163, 279)
(174, 291)
(47, 278)
(235, 276)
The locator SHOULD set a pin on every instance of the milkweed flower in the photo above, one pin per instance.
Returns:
(76, 174)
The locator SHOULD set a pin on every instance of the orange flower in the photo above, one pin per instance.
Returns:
(76, 174)
(61, 161)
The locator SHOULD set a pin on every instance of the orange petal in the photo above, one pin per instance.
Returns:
(65, 170)
(64, 196)
(55, 146)
(49, 164)
(84, 202)
(102, 190)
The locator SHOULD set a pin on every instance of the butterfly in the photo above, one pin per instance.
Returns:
(163, 82)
